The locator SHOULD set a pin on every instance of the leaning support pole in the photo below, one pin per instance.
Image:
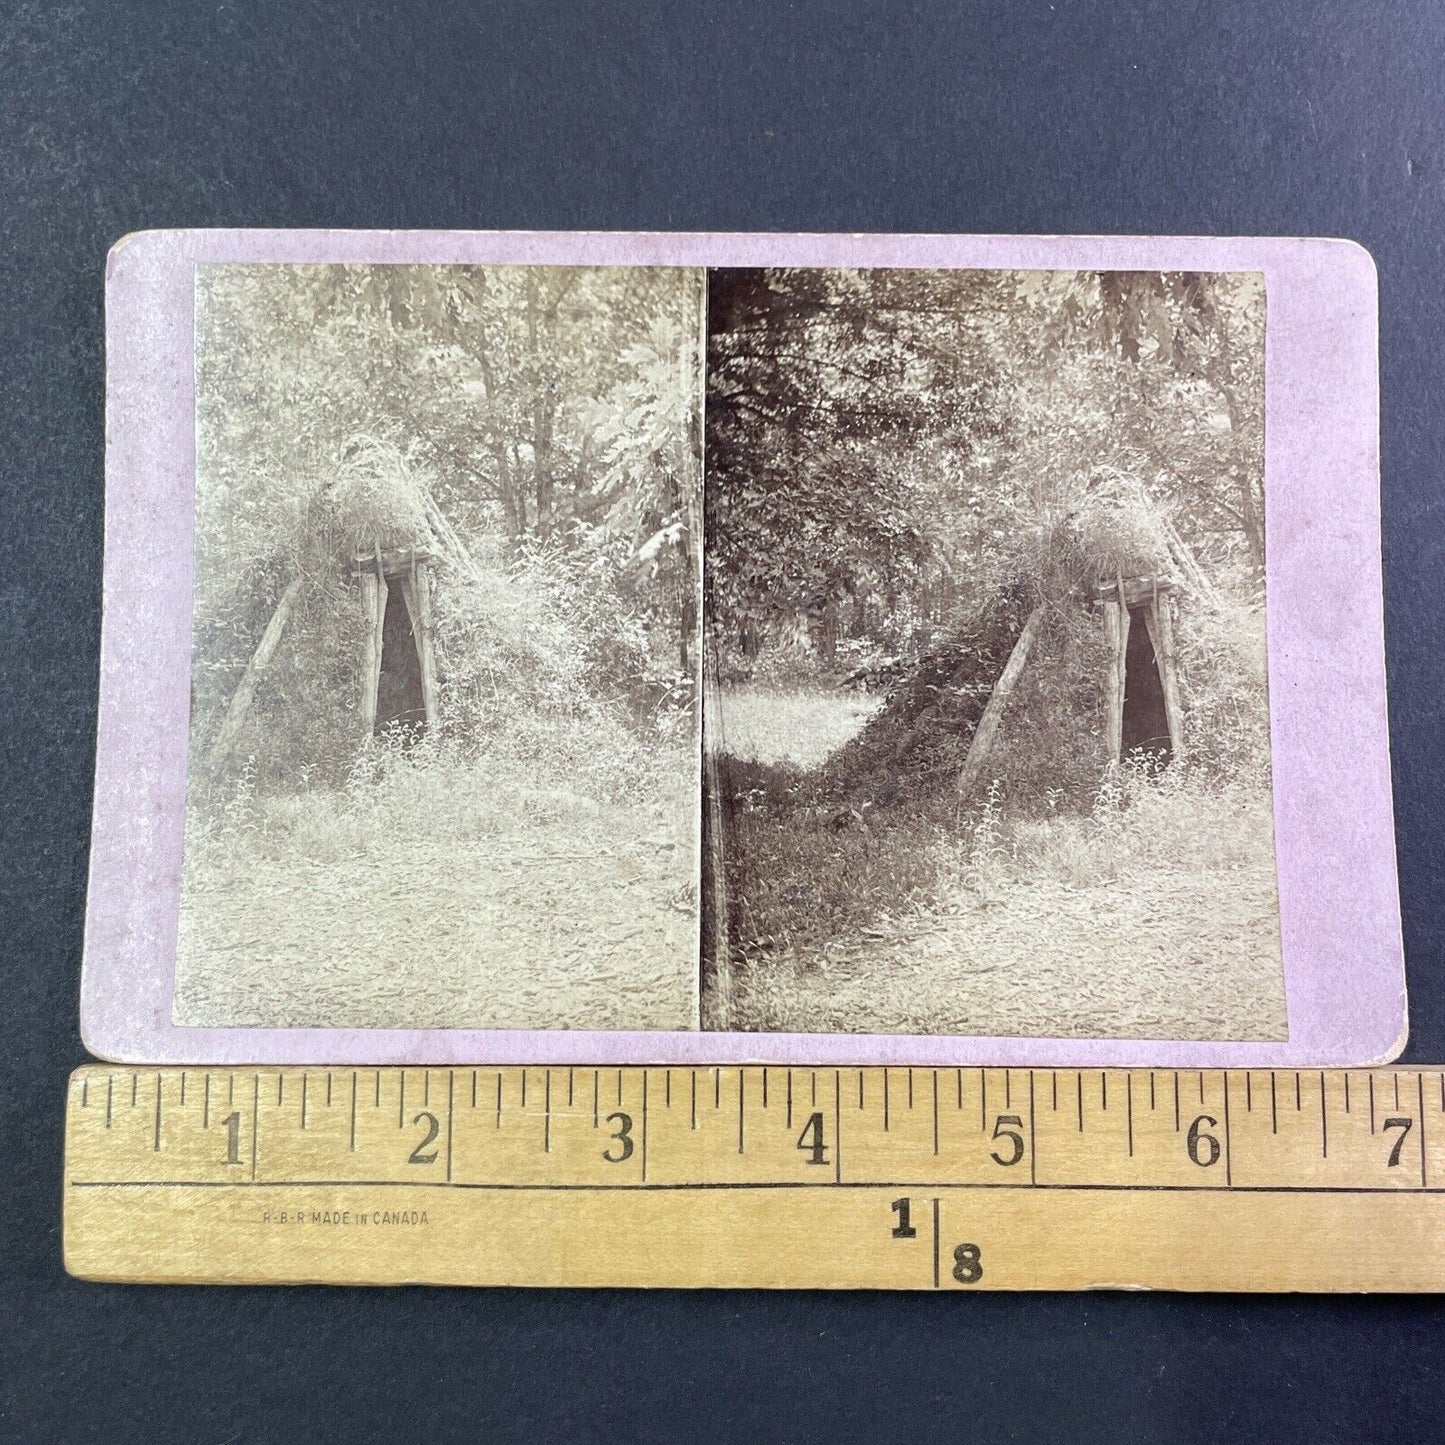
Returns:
(373, 603)
(245, 693)
(982, 744)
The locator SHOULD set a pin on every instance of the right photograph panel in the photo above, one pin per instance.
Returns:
(987, 745)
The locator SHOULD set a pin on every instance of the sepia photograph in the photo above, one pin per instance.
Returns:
(444, 728)
(986, 723)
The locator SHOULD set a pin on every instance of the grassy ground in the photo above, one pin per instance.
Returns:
(449, 893)
(1152, 915)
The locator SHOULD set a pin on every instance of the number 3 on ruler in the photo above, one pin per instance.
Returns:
(622, 1138)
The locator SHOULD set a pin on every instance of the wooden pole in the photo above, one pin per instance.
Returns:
(416, 593)
(983, 736)
(373, 602)
(1188, 564)
(1116, 631)
(1161, 634)
(245, 693)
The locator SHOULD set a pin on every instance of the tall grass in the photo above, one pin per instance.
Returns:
(1142, 821)
(600, 782)
(802, 876)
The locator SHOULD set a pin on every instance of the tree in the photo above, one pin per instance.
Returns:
(911, 435)
(842, 409)
(546, 410)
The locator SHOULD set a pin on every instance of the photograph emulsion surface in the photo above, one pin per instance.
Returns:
(443, 754)
(987, 726)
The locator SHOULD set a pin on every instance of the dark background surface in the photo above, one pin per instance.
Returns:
(1320, 118)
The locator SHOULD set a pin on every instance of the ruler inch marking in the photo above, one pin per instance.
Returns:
(451, 1085)
(255, 1123)
(1228, 1139)
(644, 1121)
(1420, 1084)
(156, 1145)
(1033, 1139)
(837, 1123)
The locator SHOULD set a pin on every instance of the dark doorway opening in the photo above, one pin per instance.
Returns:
(400, 704)
(1146, 721)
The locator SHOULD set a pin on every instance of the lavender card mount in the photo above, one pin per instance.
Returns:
(549, 648)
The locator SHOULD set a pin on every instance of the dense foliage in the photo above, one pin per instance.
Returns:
(538, 429)
(887, 450)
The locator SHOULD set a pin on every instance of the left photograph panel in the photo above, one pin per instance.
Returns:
(444, 752)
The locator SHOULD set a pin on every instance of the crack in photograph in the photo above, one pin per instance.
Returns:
(987, 739)
(445, 648)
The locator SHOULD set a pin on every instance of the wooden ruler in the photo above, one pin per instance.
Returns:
(957, 1179)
